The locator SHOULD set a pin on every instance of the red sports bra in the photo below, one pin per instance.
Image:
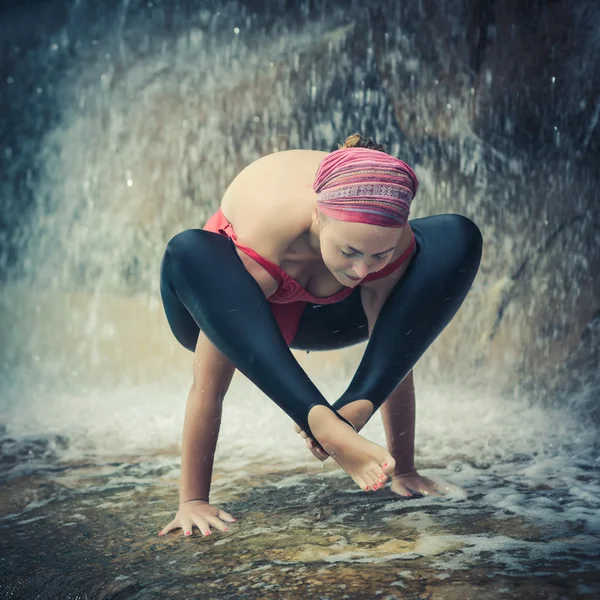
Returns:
(289, 300)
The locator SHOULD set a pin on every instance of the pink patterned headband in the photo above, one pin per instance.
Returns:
(365, 186)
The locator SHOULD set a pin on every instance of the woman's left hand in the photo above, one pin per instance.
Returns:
(313, 446)
(408, 484)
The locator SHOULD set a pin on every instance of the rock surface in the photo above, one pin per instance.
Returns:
(89, 531)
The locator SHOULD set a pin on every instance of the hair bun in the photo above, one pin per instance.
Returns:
(356, 140)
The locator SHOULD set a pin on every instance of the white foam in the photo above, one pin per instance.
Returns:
(503, 460)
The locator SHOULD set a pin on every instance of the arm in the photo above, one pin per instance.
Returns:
(212, 375)
(398, 416)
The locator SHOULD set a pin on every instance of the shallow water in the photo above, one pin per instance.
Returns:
(521, 518)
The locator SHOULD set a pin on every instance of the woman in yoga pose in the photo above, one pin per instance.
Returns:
(314, 251)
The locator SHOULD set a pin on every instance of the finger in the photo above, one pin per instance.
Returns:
(424, 486)
(432, 490)
(217, 523)
(225, 516)
(297, 428)
(443, 490)
(303, 434)
(316, 450)
(187, 526)
(318, 455)
(402, 490)
(174, 524)
(423, 490)
(202, 525)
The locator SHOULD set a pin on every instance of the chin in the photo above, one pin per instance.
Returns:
(341, 279)
(348, 282)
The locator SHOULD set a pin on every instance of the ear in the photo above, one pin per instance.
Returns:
(316, 216)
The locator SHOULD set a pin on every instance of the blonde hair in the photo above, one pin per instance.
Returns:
(356, 140)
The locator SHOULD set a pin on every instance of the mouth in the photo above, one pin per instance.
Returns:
(353, 278)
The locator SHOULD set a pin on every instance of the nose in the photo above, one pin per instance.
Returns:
(361, 268)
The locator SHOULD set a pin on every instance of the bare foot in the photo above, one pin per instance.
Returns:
(357, 412)
(368, 464)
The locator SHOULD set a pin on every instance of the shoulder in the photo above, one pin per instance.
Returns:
(269, 204)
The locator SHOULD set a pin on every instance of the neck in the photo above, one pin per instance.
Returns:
(313, 237)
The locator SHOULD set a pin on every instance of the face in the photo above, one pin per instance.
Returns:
(353, 250)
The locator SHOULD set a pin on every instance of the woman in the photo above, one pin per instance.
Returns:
(325, 238)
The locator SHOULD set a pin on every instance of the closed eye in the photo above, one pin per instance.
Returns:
(377, 256)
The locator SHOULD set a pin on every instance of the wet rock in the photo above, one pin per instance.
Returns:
(104, 544)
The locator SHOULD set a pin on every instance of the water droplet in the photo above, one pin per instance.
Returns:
(553, 80)
(236, 30)
(54, 47)
(39, 90)
(9, 80)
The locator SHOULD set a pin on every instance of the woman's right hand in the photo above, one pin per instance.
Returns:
(202, 515)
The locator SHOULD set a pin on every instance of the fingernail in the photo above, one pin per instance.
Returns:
(234, 519)
(207, 533)
(385, 464)
(160, 533)
(367, 488)
(226, 529)
(188, 533)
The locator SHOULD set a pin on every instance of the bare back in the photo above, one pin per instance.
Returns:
(270, 205)
(272, 197)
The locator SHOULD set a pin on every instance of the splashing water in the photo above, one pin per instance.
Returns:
(138, 117)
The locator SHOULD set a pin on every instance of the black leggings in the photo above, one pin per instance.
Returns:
(204, 285)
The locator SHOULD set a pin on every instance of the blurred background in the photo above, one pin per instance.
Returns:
(123, 122)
